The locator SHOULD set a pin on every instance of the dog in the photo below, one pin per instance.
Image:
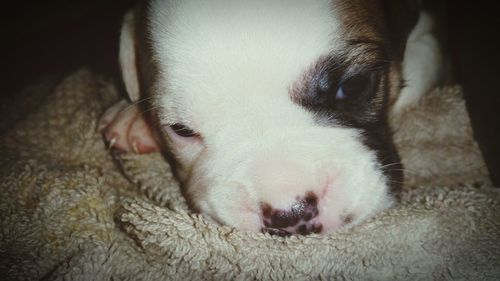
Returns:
(275, 113)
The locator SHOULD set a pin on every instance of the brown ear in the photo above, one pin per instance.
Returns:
(402, 16)
(127, 56)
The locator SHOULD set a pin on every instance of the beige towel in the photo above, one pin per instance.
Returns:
(71, 211)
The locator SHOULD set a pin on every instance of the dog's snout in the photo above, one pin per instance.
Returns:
(300, 218)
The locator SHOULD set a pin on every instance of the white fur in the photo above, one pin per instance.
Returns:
(127, 57)
(226, 68)
(421, 65)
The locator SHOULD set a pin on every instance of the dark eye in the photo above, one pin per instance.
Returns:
(354, 88)
(182, 130)
(347, 94)
(339, 92)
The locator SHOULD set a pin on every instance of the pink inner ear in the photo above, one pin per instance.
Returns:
(125, 129)
(140, 137)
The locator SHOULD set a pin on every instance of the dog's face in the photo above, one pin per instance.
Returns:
(275, 111)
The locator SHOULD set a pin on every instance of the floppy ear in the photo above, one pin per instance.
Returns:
(402, 16)
(127, 56)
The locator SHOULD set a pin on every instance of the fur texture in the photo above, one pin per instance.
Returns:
(68, 212)
(245, 77)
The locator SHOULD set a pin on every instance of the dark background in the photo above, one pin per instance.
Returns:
(53, 37)
(41, 38)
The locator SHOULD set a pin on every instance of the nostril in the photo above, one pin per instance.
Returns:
(298, 219)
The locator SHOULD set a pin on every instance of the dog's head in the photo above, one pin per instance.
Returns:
(275, 111)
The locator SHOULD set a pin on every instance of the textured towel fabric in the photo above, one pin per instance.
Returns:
(70, 210)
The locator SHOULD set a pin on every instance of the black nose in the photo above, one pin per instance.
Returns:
(299, 218)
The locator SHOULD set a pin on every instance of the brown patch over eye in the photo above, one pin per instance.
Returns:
(350, 93)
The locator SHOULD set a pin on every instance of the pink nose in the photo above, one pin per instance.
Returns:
(300, 218)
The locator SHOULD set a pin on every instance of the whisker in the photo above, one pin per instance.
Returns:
(391, 164)
(402, 170)
(130, 106)
(385, 158)
(397, 182)
(150, 109)
(405, 171)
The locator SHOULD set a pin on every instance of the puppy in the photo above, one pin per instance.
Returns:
(275, 112)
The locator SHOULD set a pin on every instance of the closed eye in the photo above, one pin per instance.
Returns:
(181, 134)
(183, 131)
